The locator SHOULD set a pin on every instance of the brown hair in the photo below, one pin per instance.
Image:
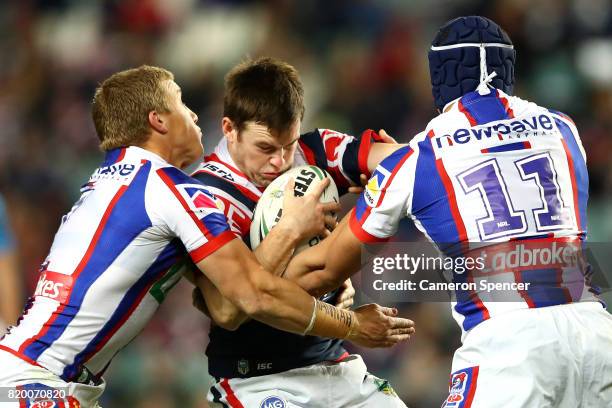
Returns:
(121, 105)
(264, 90)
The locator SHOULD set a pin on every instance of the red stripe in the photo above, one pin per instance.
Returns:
(92, 245)
(450, 192)
(357, 225)
(342, 357)
(231, 397)
(504, 102)
(23, 402)
(572, 172)
(121, 155)
(395, 171)
(214, 157)
(484, 150)
(308, 153)
(358, 230)
(526, 145)
(467, 114)
(166, 179)
(461, 231)
(60, 403)
(211, 246)
(243, 190)
(20, 356)
(364, 151)
(472, 390)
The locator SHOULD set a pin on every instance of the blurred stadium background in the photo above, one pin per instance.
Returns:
(363, 64)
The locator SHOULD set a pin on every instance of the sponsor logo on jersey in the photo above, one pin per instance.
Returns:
(273, 402)
(519, 128)
(43, 404)
(374, 187)
(221, 172)
(54, 286)
(114, 170)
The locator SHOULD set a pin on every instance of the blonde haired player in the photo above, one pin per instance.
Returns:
(111, 258)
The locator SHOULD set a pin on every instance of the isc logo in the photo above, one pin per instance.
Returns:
(273, 402)
(54, 286)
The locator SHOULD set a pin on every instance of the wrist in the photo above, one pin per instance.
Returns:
(289, 233)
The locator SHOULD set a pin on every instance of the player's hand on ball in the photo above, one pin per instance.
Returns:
(346, 295)
(379, 326)
(306, 215)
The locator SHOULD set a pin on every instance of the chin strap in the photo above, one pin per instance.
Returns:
(484, 87)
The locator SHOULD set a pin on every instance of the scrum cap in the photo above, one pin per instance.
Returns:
(467, 54)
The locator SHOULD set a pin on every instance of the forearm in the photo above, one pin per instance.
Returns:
(324, 267)
(276, 249)
(287, 307)
(10, 289)
(221, 310)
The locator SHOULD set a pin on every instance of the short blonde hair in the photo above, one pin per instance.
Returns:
(121, 105)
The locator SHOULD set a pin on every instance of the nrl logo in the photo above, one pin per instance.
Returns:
(243, 367)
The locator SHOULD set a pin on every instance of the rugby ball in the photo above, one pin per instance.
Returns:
(270, 206)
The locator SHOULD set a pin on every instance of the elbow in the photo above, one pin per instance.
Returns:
(228, 319)
(258, 300)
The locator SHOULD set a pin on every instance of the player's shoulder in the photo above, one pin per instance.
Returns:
(325, 134)
(227, 184)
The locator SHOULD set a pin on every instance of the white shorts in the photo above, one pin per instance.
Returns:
(345, 384)
(22, 376)
(557, 356)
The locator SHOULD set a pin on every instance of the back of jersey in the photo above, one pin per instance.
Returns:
(509, 168)
(497, 177)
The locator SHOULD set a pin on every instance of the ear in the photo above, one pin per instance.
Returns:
(157, 122)
(229, 130)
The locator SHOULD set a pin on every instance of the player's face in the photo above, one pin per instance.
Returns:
(264, 154)
(185, 135)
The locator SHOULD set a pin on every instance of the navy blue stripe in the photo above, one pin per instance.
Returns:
(177, 176)
(430, 202)
(350, 159)
(544, 288)
(211, 180)
(484, 108)
(217, 396)
(314, 141)
(125, 222)
(507, 147)
(111, 156)
(160, 266)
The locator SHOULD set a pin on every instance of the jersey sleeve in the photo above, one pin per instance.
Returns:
(345, 157)
(192, 214)
(385, 199)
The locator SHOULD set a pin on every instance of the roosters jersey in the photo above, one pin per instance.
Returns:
(111, 262)
(269, 350)
(491, 169)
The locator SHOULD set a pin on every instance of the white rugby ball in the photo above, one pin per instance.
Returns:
(270, 206)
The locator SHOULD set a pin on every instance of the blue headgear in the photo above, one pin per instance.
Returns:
(468, 54)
